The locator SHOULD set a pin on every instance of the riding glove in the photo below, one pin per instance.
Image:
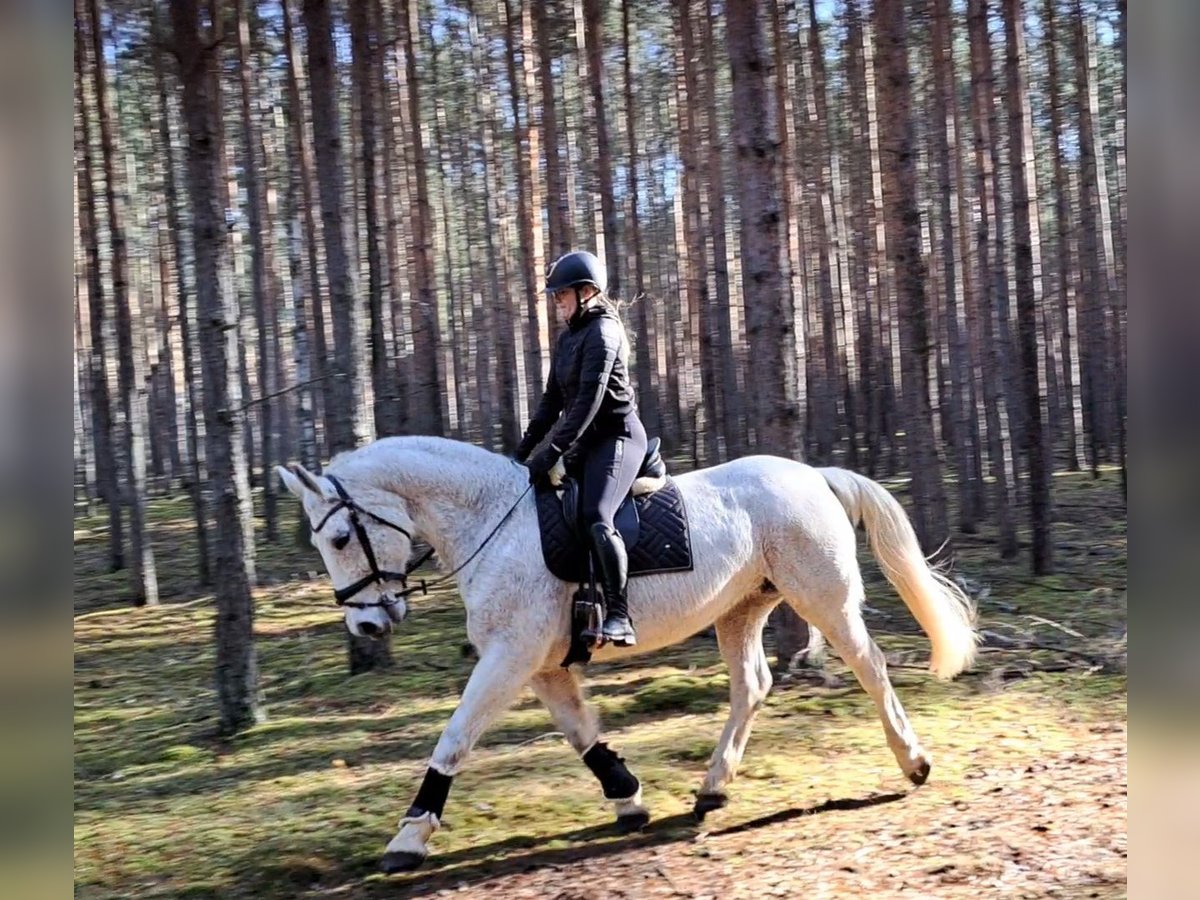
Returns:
(540, 465)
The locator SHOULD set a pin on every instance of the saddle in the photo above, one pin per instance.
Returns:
(652, 520)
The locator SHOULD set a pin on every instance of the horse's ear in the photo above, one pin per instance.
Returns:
(292, 481)
(318, 484)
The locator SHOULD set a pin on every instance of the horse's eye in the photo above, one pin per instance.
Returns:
(340, 542)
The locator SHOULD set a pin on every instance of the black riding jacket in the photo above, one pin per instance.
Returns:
(588, 384)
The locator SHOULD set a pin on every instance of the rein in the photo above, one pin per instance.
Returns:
(379, 576)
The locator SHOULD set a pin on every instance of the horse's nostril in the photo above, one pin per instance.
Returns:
(370, 629)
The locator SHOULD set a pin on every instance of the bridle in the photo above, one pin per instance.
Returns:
(378, 575)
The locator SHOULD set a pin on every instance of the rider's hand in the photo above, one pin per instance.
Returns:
(540, 465)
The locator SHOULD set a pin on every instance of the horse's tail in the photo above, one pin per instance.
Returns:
(946, 614)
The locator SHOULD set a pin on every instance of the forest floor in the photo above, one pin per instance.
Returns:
(1028, 795)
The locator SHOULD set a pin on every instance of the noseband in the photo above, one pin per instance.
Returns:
(377, 576)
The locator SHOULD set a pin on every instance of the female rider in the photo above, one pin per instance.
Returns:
(590, 413)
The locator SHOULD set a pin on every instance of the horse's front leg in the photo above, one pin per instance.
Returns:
(498, 677)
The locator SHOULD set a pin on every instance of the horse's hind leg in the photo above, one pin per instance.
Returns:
(739, 636)
(838, 614)
(559, 689)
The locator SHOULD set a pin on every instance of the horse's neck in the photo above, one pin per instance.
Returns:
(452, 505)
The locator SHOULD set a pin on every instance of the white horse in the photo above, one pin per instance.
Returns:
(763, 529)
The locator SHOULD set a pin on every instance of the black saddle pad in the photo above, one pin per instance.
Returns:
(662, 544)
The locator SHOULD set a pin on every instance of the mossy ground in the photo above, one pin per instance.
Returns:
(1027, 793)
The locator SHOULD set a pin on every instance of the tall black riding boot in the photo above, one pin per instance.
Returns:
(614, 572)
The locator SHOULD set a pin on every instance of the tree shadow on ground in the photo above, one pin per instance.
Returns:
(525, 852)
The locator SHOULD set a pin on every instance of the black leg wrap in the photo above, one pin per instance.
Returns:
(616, 780)
(432, 795)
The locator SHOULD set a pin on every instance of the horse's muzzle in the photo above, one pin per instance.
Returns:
(374, 629)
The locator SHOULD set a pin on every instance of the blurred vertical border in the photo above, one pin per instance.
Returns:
(36, 290)
(1164, 428)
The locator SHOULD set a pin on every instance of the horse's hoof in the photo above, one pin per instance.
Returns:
(706, 803)
(921, 775)
(631, 822)
(400, 861)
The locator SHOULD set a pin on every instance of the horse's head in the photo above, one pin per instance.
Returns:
(364, 535)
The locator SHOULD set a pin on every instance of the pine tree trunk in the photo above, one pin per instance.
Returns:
(85, 470)
(424, 390)
(769, 330)
(131, 381)
(646, 388)
(847, 324)
(685, 392)
(261, 273)
(270, 119)
(362, 48)
(320, 369)
(233, 265)
(187, 320)
(1097, 282)
(342, 389)
(944, 133)
(1027, 255)
(537, 356)
(582, 156)
(863, 273)
(734, 424)
(452, 352)
(497, 310)
(884, 337)
(1072, 419)
(85, 487)
(696, 265)
(795, 290)
(364, 654)
(403, 310)
(904, 245)
(983, 74)
(995, 394)
(875, 320)
(237, 670)
(976, 423)
(391, 218)
(475, 386)
(101, 402)
(558, 205)
(163, 381)
(594, 27)
(166, 355)
(140, 287)
(302, 353)
(829, 385)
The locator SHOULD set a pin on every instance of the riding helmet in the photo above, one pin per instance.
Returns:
(576, 269)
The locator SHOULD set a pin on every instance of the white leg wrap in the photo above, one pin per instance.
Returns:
(630, 805)
(414, 835)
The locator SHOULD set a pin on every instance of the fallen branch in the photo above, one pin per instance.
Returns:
(1007, 643)
(1063, 628)
(539, 738)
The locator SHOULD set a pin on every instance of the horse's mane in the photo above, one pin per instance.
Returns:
(426, 451)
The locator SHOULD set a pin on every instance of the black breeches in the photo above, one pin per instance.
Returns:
(609, 471)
